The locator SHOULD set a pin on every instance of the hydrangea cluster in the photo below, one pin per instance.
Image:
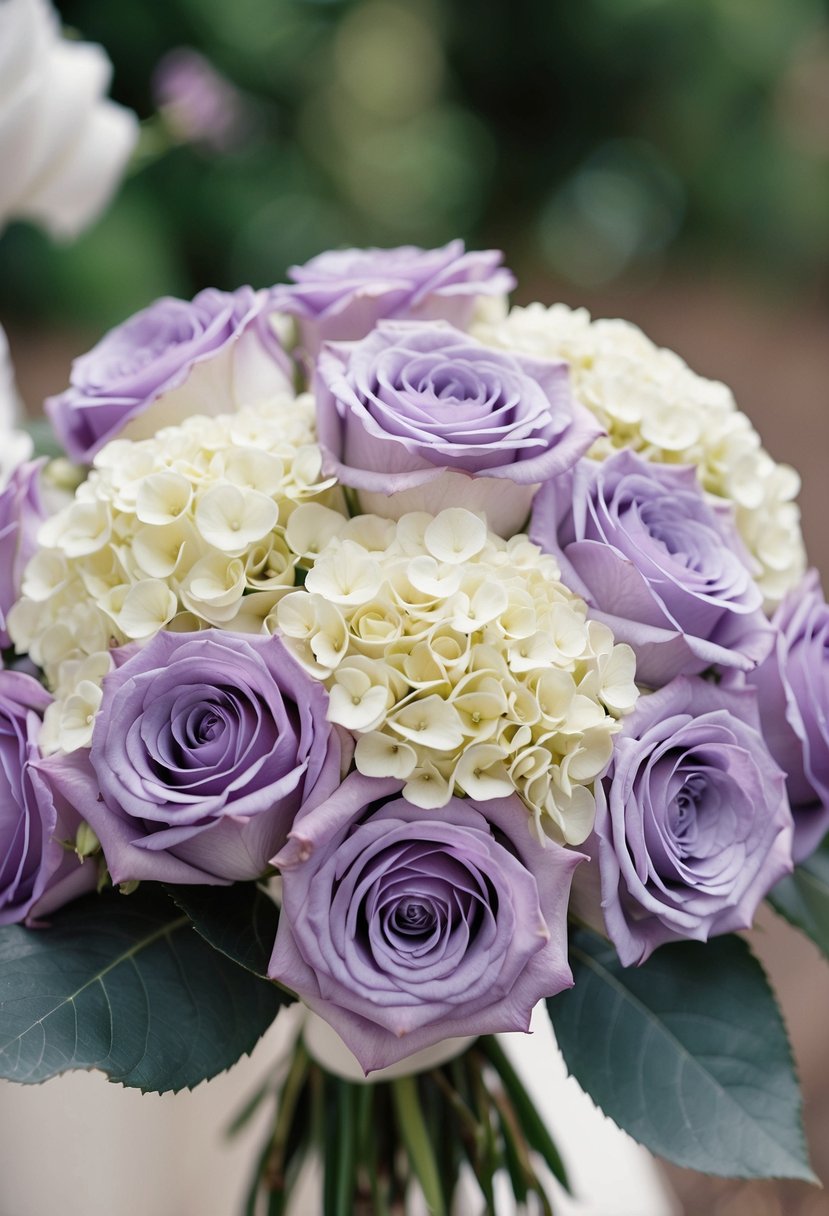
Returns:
(178, 532)
(650, 401)
(459, 660)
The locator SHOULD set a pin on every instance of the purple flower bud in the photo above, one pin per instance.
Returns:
(199, 104)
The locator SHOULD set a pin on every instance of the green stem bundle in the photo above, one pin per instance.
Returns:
(375, 1142)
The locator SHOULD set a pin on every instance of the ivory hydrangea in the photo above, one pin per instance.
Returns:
(459, 660)
(178, 532)
(649, 400)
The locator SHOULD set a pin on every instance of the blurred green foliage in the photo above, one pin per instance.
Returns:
(590, 140)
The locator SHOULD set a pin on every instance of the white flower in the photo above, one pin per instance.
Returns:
(9, 402)
(460, 662)
(650, 401)
(15, 446)
(63, 145)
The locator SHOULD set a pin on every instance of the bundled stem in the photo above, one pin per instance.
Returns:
(376, 1142)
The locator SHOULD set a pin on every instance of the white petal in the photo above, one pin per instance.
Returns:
(380, 755)
(147, 607)
(232, 519)
(480, 772)
(162, 498)
(455, 536)
(427, 788)
(311, 527)
(429, 722)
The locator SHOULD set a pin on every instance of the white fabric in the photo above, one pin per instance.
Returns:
(81, 1146)
(63, 144)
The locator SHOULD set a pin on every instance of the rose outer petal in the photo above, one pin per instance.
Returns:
(365, 847)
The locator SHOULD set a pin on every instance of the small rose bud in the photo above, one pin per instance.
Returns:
(86, 842)
(62, 474)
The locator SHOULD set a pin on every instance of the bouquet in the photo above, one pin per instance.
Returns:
(378, 650)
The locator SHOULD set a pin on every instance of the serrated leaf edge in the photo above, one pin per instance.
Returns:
(806, 1175)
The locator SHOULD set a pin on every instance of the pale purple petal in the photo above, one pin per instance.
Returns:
(412, 403)
(153, 353)
(401, 929)
(37, 873)
(341, 295)
(793, 692)
(21, 513)
(658, 562)
(205, 748)
(693, 827)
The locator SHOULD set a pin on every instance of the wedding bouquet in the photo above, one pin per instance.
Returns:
(375, 647)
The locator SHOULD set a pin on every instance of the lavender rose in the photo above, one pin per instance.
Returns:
(207, 356)
(692, 827)
(401, 929)
(21, 513)
(342, 294)
(793, 694)
(205, 748)
(37, 873)
(424, 417)
(657, 562)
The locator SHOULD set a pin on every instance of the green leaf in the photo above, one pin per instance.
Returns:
(340, 1181)
(803, 898)
(533, 1126)
(418, 1145)
(687, 1053)
(240, 921)
(43, 437)
(124, 984)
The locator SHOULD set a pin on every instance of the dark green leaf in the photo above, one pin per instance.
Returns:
(517, 1165)
(255, 1182)
(333, 1151)
(803, 898)
(532, 1125)
(415, 1136)
(244, 1115)
(124, 984)
(240, 920)
(345, 1179)
(687, 1053)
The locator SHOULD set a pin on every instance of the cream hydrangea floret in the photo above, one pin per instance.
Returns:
(649, 400)
(459, 659)
(178, 532)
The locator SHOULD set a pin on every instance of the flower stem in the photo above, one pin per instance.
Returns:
(418, 1145)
